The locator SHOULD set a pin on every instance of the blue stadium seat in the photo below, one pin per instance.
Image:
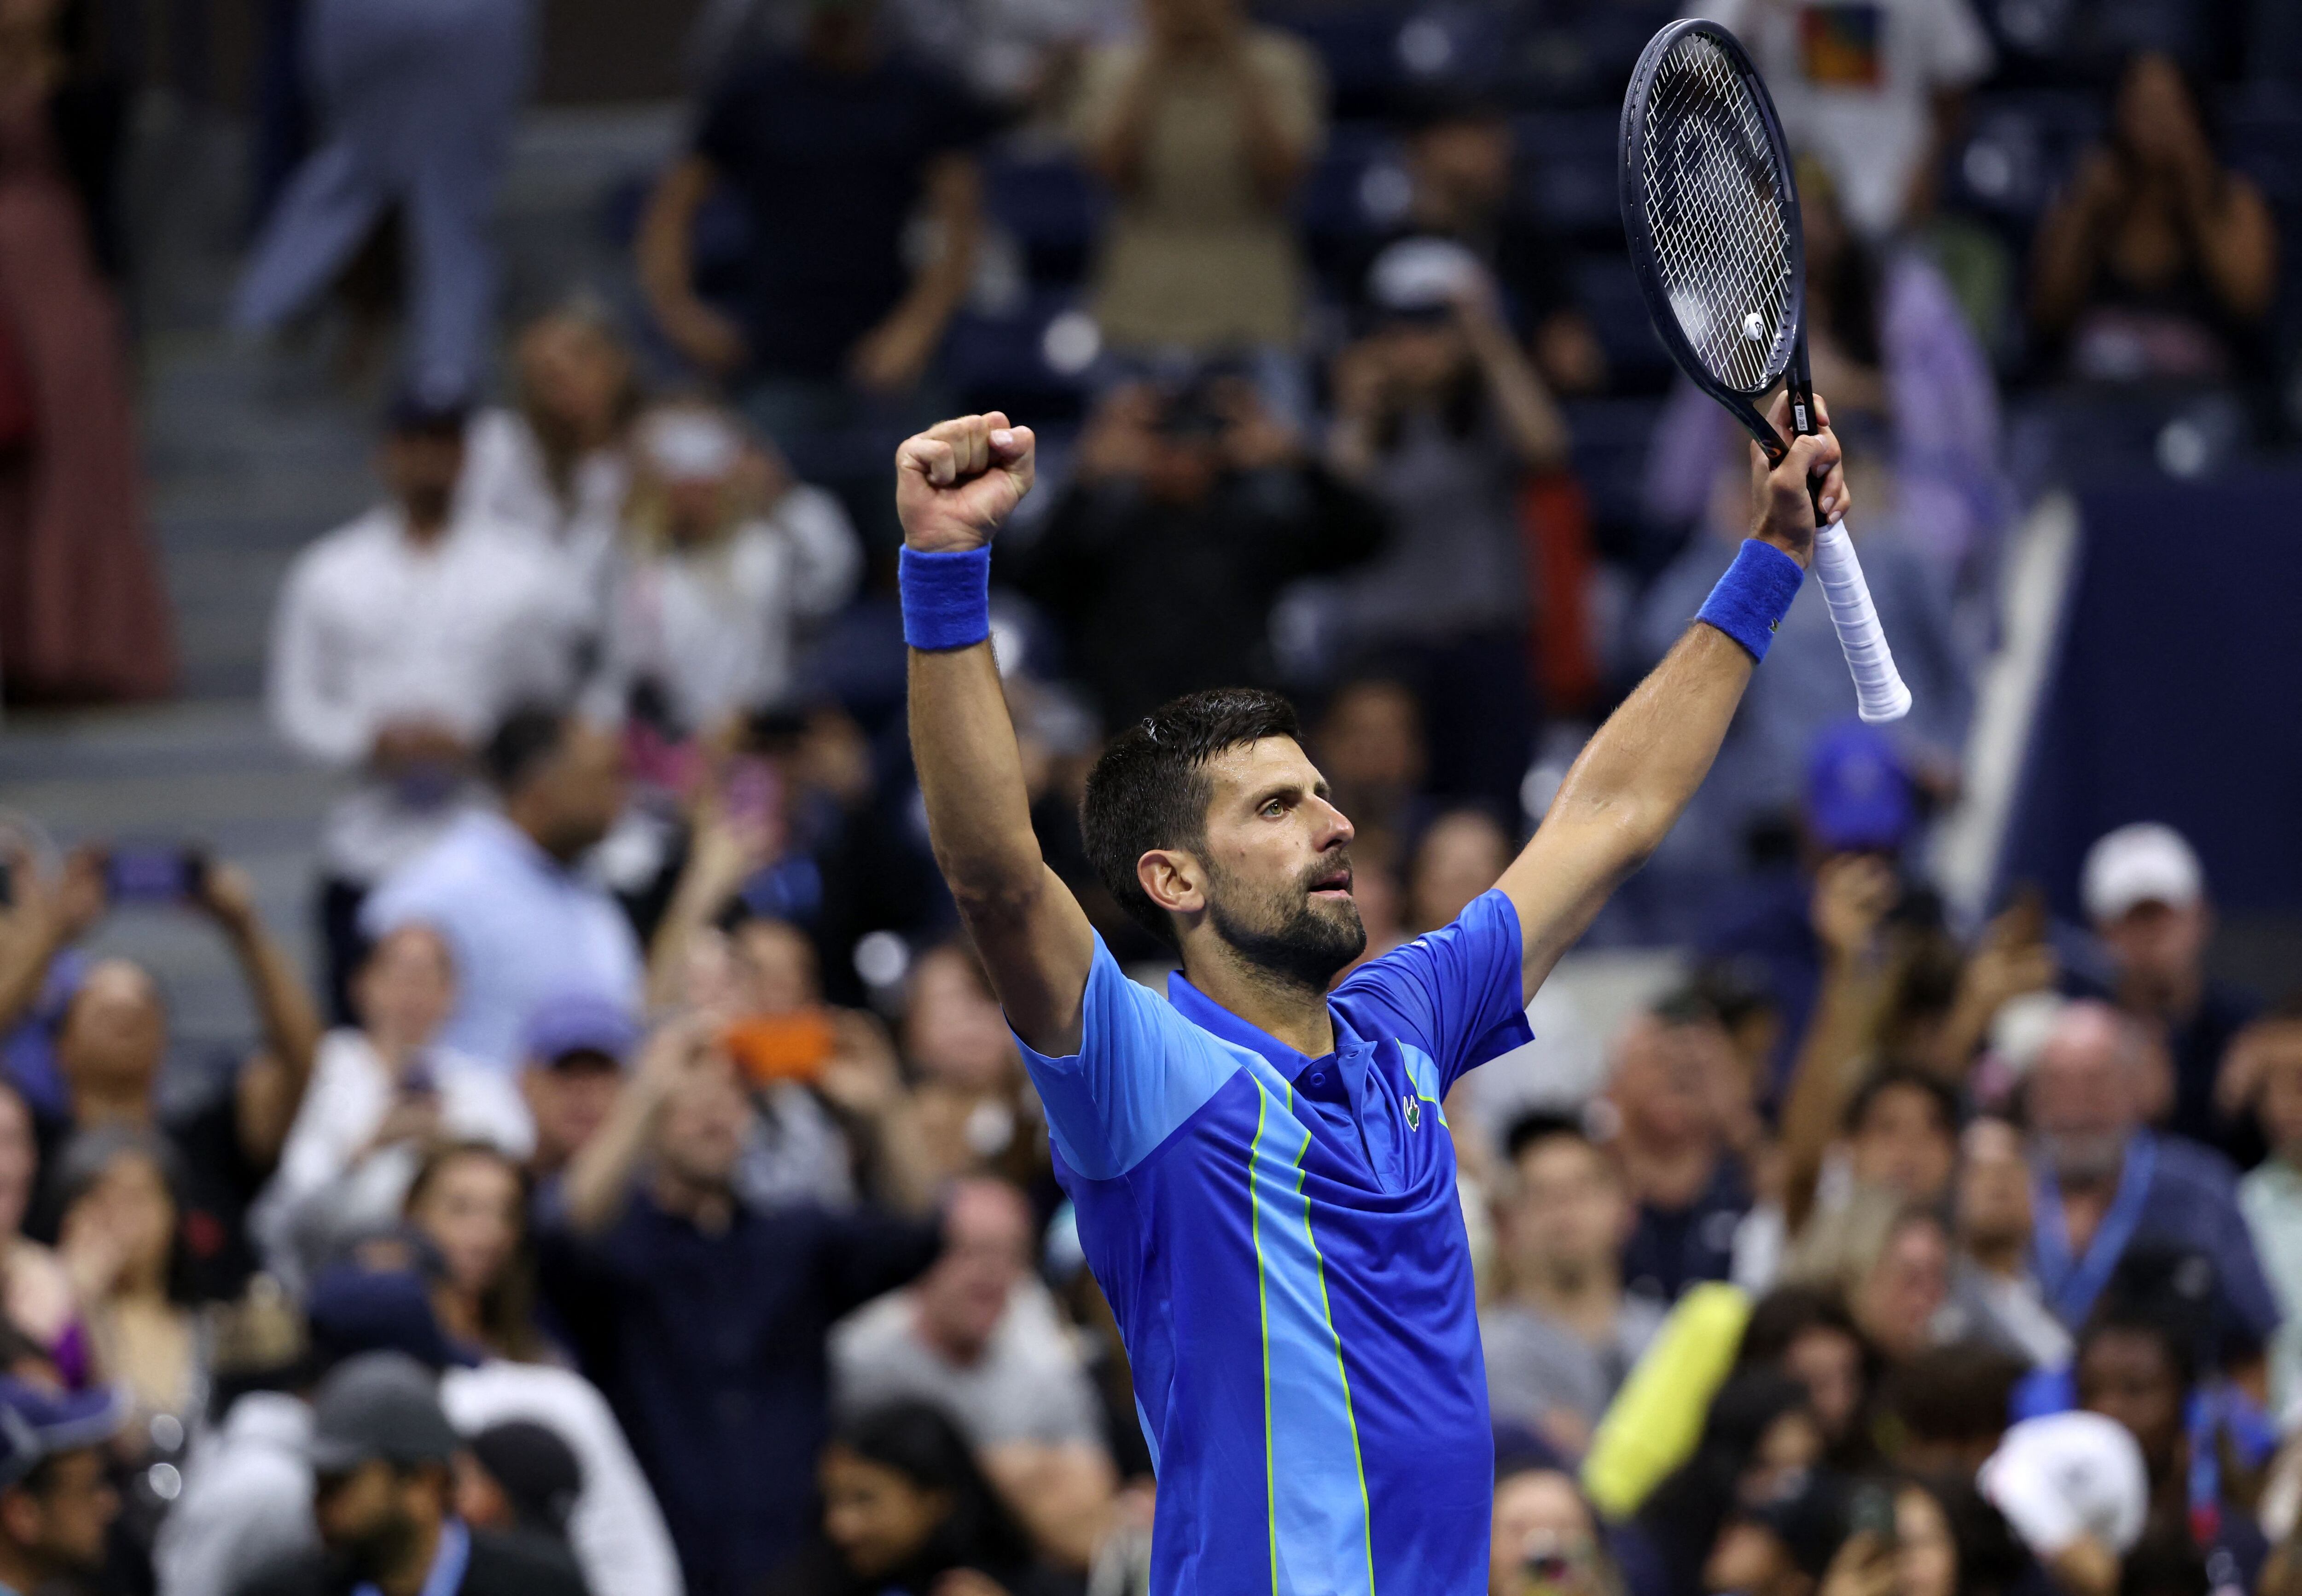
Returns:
(1003, 358)
(1052, 208)
(1357, 188)
(1358, 43)
(1608, 293)
(2018, 147)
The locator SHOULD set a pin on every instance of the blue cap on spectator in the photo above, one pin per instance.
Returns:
(354, 1310)
(578, 1022)
(429, 407)
(1858, 799)
(36, 1422)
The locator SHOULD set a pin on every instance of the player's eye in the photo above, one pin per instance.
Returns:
(1272, 808)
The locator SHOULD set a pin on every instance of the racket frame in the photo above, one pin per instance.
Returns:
(1646, 261)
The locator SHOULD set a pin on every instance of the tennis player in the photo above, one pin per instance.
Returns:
(1263, 1172)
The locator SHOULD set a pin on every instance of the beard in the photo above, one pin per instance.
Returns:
(2083, 1157)
(374, 1551)
(1284, 932)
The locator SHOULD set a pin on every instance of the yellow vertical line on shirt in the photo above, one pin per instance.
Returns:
(1359, 1458)
(1263, 1303)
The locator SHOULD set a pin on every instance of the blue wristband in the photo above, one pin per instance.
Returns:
(1754, 596)
(946, 598)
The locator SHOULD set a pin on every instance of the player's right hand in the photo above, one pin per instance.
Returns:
(959, 480)
(1785, 497)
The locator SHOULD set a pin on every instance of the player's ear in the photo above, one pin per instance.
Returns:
(1171, 878)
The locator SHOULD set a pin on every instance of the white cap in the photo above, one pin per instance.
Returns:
(2068, 1475)
(2142, 863)
(1423, 275)
(688, 445)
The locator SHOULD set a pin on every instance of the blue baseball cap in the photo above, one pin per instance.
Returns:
(38, 1423)
(576, 1022)
(1859, 799)
(355, 1311)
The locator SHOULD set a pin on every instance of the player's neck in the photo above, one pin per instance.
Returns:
(1279, 1008)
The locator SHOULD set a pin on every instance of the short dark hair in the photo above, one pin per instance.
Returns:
(1150, 789)
(1892, 1078)
(1540, 1125)
(524, 741)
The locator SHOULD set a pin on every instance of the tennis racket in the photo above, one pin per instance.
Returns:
(1712, 217)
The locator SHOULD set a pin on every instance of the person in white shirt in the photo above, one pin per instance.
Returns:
(381, 1092)
(525, 921)
(724, 559)
(556, 464)
(398, 641)
(978, 1336)
(1868, 87)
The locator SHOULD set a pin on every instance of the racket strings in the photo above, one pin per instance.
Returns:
(1721, 239)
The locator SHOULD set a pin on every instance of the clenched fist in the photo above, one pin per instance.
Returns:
(959, 480)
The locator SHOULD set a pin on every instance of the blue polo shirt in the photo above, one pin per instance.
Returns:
(1281, 1241)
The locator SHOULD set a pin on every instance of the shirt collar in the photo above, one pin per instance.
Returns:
(1209, 1015)
(500, 834)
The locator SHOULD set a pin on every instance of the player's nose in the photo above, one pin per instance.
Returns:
(1334, 829)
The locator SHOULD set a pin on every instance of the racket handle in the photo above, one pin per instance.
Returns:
(1879, 690)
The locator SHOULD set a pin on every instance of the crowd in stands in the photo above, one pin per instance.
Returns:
(644, 1194)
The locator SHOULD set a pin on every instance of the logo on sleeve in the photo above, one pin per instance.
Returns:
(1413, 1113)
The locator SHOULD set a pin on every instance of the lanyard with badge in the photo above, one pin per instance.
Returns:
(2069, 1284)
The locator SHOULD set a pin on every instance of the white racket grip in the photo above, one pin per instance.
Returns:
(1879, 690)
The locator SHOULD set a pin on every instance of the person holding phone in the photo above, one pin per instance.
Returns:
(113, 1041)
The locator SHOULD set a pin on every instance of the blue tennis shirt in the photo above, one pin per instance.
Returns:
(1281, 1241)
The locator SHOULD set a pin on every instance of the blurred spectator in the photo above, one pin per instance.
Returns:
(555, 463)
(36, 1294)
(1898, 1300)
(113, 1040)
(398, 641)
(469, 1202)
(2105, 1185)
(1371, 748)
(1758, 1436)
(2145, 894)
(509, 894)
(979, 1338)
(82, 613)
(717, 575)
(1458, 856)
(1798, 1541)
(1563, 1335)
(1950, 1405)
(2271, 1195)
(2135, 1365)
(383, 1453)
(1546, 1539)
(704, 1320)
(380, 1092)
(118, 1184)
(1441, 416)
(419, 105)
(1671, 1071)
(1199, 490)
(1991, 1278)
(1462, 165)
(2158, 261)
(519, 1476)
(572, 1052)
(1201, 126)
(905, 1508)
(57, 1499)
(1808, 1333)
(971, 1107)
(830, 148)
(1874, 91)
(1857, 812)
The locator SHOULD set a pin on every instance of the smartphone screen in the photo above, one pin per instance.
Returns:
(150, 875)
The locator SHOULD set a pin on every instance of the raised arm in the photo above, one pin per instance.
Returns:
(954, 484)
(1638, 773)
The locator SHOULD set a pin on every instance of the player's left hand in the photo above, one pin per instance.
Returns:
(1783, 505)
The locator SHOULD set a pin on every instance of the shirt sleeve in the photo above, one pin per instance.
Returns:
(304, 686)
(1458, 992)
(1140, 1071)
(868, 1254)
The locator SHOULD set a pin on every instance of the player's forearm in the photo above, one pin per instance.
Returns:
(972, 776)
